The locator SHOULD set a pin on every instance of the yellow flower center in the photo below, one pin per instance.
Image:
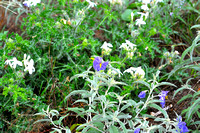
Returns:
(100, 65)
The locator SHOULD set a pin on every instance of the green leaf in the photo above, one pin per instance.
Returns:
(113, 129)
(76, 109)
(182, 64)
(56, 130)
(164, 83)
(196, 122)
(74, 126)
(42, 120)
(182, 88)
(76, 92)
(195, 26)
(123, 126)
(142, 82)
(183, 98)
(126, 15)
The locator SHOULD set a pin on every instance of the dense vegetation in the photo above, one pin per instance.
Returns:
(100, 66)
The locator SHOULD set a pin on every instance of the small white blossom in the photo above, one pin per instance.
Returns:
(144, 7)
(176, 52)
(29, 3)
(91, 4)
(29, 64)
(134, 33)
(124, 46)
(106, 47)
(127, 45)
(130, 55)
(139, 72)
(13, 62)
(115, 1)
(131, 45)
(140, 22)
(166, 54)
(143, 14)
(145, 1)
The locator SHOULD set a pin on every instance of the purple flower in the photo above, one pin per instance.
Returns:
(137, 130)
(98, 64)
(162, 98)
(26, 4)
(142, 94)
(171, 13)
(182, 125)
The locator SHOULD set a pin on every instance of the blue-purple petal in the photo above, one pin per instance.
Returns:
(98, 65)
(25, 4)
(142, 94)
(137, 130)
(162, 98)
(103, 66)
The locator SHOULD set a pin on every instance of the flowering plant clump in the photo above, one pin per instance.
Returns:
(162, 98)
(29, 65)
(98, 64)
(139, 72)
(128, 36)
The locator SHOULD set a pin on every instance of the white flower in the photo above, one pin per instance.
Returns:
(166, 54)
(13, 62)
(130, 70)
(176, 52)
(134, 33)
(127, 45)
(29, 64)
(106, 47)
(29, 3)
(145, 1)
(91, 4)
(115, 1)
(143, 14)
(144, 7)
(140, 22)
(130, 55)
(139, 72)
(131, 45)
(124, 46)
